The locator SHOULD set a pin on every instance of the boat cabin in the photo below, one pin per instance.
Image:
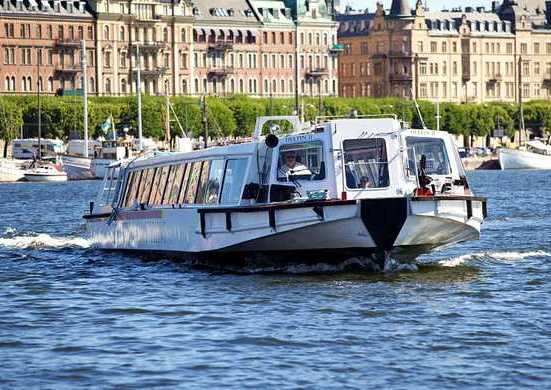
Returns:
(343, 158)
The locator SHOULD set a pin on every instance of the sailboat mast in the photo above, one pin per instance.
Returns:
(39, 153)
(297, 107)
(139, 92)
(521, 121)
(83, 64)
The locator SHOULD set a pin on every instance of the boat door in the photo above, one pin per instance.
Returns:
(304, 161)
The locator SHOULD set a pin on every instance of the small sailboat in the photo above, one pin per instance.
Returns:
(44, 171)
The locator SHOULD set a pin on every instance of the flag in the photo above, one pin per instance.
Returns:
(105, 126)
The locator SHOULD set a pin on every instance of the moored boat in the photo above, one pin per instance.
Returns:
(533, 155)
(45, 172)
(342, 187)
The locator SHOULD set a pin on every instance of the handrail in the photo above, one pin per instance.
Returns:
(330, 117)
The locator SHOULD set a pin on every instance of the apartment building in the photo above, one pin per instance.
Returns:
(181, 47)
(458, 55)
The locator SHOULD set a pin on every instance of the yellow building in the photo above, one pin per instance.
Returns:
(458, 55)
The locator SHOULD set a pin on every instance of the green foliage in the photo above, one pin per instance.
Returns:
(62, 116)
(11, 120)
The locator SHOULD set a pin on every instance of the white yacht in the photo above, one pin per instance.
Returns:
(532, 155)
(342, 187)
(43, 171)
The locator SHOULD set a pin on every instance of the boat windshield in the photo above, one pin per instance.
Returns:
(366, 164)
(301, 161)
(109, 187)
(434, 150)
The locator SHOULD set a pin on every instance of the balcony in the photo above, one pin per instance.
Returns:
(494, 79)
(221, 46)
(336, 49)
(466, 76)
(67, 43)
(67, 70)
(316, 73)
(150, 73)
(220, 73)
(399, 54)
(149, 46)
(400, 77)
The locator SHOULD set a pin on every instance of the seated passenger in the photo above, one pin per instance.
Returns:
(365, 183)
(292, 166)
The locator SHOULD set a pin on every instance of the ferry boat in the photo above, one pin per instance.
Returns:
(344, 187)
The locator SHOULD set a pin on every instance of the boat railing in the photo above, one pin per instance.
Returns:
(325, 118)
(294, 120)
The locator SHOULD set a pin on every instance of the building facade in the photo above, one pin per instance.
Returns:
(462, 55)
(40, 45)
(257, 47)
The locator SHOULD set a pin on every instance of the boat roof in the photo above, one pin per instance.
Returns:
(537, 144)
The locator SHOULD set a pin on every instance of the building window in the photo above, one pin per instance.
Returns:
(523, 48)
(106, 33)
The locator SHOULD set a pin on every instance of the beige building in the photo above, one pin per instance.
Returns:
(469, 55)
(185, 47)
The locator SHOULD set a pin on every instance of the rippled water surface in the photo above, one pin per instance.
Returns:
(476, 315)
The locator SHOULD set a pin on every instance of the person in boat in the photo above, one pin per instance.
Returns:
(291, 166)
(365, 183)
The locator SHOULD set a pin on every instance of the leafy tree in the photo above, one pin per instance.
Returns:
(11, 120)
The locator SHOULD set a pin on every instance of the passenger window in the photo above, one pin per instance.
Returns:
(169, 184)
(203, 178)
(146, 188)
(159, 188)
(181, 196)
(155, 186)
(128, 195)
(434, 150)
(366, 164)
(233, 180)
(303, 161)
(214, 182)
(191, 188)
(177, 183)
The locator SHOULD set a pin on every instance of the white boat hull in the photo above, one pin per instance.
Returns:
(82, 168)
(11, 171)
(333, 227)
(519, 159)
(45, 177)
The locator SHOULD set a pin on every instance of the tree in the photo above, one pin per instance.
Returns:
(11, 120)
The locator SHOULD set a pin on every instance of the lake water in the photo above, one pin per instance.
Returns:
(476, 315)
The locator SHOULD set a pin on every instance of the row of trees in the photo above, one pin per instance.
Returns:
(61, 117)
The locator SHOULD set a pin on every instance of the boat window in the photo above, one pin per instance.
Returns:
(233, 180)
(434, 150)
(214, 182)
(203, 179)
(191, 187)
(146, 189)
(366, 164)
(154, 186)
(301, 161)
(173, 184)
(181, 192)
(159, 188)
(169, 183)
(131, 187)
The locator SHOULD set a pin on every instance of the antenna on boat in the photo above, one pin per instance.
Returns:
(418, 111)
(83, 63)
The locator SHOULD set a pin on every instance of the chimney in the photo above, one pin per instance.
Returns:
(400, 9)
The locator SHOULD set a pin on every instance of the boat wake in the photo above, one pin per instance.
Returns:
(42, 241)
(490, 256)
(353, 264)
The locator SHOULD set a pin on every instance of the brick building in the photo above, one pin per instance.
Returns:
(462, 55)
(188, 48)
(40, 45)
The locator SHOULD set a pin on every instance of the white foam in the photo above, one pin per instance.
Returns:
(507, 256)
(44, 241)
